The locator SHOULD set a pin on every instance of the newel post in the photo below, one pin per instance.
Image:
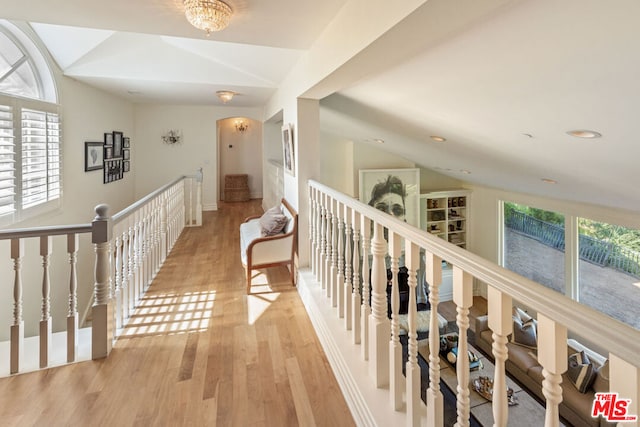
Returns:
(103, 322)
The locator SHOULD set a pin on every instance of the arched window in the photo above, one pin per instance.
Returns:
(30, 137)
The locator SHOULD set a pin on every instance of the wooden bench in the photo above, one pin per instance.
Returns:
(258, 251)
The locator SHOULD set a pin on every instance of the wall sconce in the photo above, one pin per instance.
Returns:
(172, 137)
(241, 126)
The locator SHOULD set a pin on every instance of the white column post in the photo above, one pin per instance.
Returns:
(102, 323)
(552, 355)
(435, 402)
(17, 328)
(72, 314)
(312, 228)
(379, 326)
(463, 297)
(624, 379)
(45, 321)
(501, 324)
(396, 379)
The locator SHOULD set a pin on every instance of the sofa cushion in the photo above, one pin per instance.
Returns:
(273, 221)
(601, 383)
(521, 356)
(581, 371)
(524, 329)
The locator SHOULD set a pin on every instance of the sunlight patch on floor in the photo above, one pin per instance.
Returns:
(161, 314)
(258, 304)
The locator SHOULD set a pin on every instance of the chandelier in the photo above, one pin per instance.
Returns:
(225, 95)
(207, 15)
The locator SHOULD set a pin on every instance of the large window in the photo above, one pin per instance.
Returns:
(30, 133)
(607, 273)
(534, 244)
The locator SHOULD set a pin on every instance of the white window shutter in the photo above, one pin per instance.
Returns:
(7, 161)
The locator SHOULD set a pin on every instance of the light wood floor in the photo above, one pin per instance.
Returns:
(198, 352)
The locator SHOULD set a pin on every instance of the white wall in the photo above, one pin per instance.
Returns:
(241, 153)
(158, 163)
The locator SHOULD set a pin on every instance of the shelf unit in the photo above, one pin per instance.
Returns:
(445, 214)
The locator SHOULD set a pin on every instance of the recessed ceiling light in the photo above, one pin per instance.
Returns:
(438, 138)
(584, 133)
(379, 141)
(549, 181)
(528, 135)
(464, 171)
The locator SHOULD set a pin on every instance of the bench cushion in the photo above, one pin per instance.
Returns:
(249, 231)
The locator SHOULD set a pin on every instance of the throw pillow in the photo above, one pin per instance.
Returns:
(601, 383)
(272, 222)
(581, 371)
(524, 329)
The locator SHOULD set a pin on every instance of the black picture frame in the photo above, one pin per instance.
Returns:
(126, 167)
(117, 144)
(126, 155)
(93, 156)
(108, 138)
(126, 142)
(108, 152)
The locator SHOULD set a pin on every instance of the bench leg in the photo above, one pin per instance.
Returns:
(247, 271)
(293, 274)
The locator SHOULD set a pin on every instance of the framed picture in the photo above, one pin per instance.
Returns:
(395, 191)
(125, 166)
(108, 152)
(117, 144)
(126, 142)
(287, 150)
(93, 156)
(126, 154)
(108, 138)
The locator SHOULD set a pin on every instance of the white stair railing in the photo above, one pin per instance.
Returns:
(378, 339)
(130, 248)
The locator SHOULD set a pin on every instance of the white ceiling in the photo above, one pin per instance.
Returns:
(526, 67)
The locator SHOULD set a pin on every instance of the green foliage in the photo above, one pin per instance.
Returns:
(617, 234)
(542, 215)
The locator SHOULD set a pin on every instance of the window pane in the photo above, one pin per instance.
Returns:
(9, 54)
(534, 244)
(21, 82)
(609, 269)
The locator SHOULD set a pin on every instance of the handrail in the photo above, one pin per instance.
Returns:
(55, 230)
(578, 318)
(131, 208)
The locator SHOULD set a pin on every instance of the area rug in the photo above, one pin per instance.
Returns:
(422, 322)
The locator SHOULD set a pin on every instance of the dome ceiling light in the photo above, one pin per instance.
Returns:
(207, 15)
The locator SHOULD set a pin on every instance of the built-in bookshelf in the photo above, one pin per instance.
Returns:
(445, 214)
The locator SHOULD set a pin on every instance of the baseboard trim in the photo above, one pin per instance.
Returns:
(210, 207)
(369, 406)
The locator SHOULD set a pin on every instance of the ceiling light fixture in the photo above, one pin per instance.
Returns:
(549, 181)
(225, 95)
(241, 126)
(438, 138)
(207, 15)
(584, 133)
(379, 141)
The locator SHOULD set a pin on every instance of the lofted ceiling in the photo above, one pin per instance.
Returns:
(502, 86)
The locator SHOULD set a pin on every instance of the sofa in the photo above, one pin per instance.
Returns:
(269, 240)
(522, 365)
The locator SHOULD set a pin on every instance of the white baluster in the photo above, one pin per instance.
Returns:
(131, 261)
(348, 280)
(334, 254)
(117, 257)
(72, 314)
(323, 245)
(164, 246)
(312, 229)
(356, 301)
(45, 321)
(501, 324)
(463, 297)
(17, 327)
(412, 257)
(340, 277)
(327, 263)
(125, 272)
(435, 402)
(396, 379)
(552, 355)
(365, 311)
(102, 311)
(379, 326)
